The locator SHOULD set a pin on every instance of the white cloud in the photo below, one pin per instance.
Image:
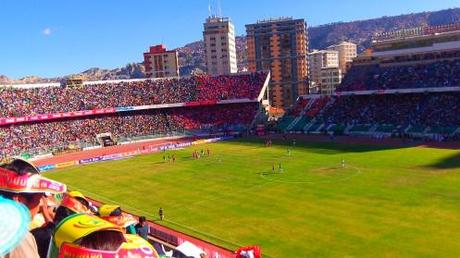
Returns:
(47, 31)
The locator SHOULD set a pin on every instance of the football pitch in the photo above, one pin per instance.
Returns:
(307, 200)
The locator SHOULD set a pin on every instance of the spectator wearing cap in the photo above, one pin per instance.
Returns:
(114, 214)
(21, 182)
(73, 202)
(14, 221)
(97, 238)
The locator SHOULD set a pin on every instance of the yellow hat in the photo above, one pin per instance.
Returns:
(73, 228)
(76, 194)
(107, 209)
(122, 220)
(78, 226)
(135, 246)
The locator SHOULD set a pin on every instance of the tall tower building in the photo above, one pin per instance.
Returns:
(160, 63)
(319, 59)
(219, 41)
(347, 51)
(281, 46)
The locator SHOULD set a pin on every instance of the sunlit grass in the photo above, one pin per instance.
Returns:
(385, 202)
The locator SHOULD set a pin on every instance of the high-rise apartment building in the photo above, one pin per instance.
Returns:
(219, 41)
(160, 63)
(347, 51)
(330, 77)
(280, 46)
(319, 59)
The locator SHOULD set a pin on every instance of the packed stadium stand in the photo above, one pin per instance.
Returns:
(407, 84)
(47, 118)
(445, 73)
(55, 98)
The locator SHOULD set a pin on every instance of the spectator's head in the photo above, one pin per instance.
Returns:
(113, 214)
(21, 166)
(88, 236)
(142, 220)
(72, 202)
(76, 202)
(21, 182)
(14, 222)
(103, 240)
(80, 197)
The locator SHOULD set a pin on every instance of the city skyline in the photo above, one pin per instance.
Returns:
(48, 39)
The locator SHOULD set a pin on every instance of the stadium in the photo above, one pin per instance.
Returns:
(370, 171)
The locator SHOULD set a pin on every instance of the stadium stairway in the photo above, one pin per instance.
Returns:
(284, 123)
(300, 124)
(347, 129)
(373, 129)
(260, 118)
(309, 124)
(313, 127)
(308, 106)
(293, 123)
(318, 129)
(406, 130)
(456, 131)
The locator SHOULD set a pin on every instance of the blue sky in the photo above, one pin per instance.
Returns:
(58, 37)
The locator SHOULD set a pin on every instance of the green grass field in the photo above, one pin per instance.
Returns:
(385, 202)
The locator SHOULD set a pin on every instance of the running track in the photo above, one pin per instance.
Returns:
(106, 151)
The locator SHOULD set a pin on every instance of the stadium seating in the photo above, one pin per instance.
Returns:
(285, 122)
(18, 102)
(301, 123)
(414, 113)
(434, 74)
(36, 137)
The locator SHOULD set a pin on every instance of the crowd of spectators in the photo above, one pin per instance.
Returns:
(17, 102)
(299, 106)
(17, 139)
(39, 225)
(230, 87)
(422, 75)
(217, 118)
(425, 109)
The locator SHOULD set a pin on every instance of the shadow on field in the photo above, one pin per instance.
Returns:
(447, 163)
(325, 147)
